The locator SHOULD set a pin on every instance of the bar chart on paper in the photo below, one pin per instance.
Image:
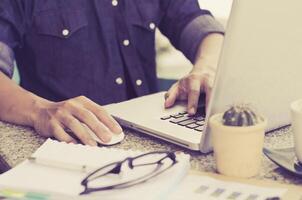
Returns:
(203, 187)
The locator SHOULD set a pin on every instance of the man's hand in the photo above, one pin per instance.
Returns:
(54, 119)
(189, 88)
(201, 78)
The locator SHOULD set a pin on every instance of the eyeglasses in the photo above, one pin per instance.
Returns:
(128, 172)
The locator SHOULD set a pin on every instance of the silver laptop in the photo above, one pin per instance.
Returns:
(260, 64)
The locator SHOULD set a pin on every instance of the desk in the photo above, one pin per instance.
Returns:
(18, 143)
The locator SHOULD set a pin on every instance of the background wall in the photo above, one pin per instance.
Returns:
(220, 8)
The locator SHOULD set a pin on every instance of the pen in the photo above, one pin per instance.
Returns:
(60, 164)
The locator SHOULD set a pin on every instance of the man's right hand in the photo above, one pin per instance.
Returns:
(54, 119)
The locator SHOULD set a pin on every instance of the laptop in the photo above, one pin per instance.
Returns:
(260, 64)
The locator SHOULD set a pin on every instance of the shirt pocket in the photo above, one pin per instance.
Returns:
(60, 23)
(144, 17)
(60, 41)
(143, 34)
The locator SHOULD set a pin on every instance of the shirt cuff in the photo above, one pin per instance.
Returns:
(193, 34)
(6, 60)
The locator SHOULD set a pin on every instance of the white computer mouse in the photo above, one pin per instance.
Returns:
(115, 139)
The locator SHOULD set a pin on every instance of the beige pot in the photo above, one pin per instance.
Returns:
(237, 150)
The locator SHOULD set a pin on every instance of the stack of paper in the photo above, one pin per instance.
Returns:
(56, 182)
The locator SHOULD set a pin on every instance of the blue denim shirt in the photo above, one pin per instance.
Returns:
(103, 49)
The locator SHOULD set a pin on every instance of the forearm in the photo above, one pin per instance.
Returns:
(208, 53)
(17, 105)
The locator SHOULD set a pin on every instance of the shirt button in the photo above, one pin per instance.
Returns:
(139, 82)
(119, 81)
(126, 43)
(152, 26)
(114, 2)
(65, 32)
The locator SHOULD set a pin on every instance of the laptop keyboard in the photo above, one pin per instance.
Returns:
(195, 122)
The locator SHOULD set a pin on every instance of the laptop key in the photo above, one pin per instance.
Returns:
(201, 123)
(177, 116)
(166, 117)
(192, 126)
(183, 113)
(199, 128)
(187, 122)
(199, 118)
(178, 120)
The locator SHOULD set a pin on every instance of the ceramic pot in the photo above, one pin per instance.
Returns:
(237, 150)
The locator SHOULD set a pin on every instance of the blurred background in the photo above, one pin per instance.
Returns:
(171, 63)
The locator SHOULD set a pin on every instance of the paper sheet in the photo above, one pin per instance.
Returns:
(35, 177)
(204, 187)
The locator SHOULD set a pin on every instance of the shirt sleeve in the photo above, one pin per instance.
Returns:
(6, 60)
(186, 25)
(11, 31)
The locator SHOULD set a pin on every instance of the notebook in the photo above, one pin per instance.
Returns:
(55, 183)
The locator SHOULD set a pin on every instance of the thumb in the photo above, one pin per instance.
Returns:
(171, 96)
(207, 87)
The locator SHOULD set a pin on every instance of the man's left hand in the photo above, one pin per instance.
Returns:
(201, 78)
(189, 88)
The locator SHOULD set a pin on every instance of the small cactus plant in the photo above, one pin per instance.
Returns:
(237, 138)
(240, 115)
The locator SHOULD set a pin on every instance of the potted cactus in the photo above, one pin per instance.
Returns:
(238, 136)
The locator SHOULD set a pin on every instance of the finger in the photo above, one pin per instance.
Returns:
(108, 121)
(102, 115)
(77, 128)
(94, 124)
(193, 96)
(171, 96)
(166, 95)
(59, 133)
(208, 90)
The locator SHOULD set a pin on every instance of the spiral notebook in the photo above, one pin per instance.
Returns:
(53, 183)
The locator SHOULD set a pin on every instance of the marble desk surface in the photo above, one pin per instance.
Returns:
(18, 143)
